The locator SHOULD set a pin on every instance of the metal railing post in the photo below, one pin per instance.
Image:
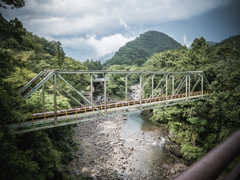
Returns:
(186, 88)
(126, 84)
(105, 93)
(172, 84)
(55, 99)
(141, 91)
(167, 89)
(202, 87)
(43, 98)
(152, 84)
(189, 87)
(91, 87)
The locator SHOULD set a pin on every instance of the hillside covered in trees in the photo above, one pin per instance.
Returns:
(138, 50)
(38, 154)
(233, 41)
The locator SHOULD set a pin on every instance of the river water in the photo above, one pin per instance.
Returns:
(148, 141)
(112, 148)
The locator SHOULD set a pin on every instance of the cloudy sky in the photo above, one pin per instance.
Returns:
(94, 28)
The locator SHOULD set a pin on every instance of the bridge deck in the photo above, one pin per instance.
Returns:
(45, 120)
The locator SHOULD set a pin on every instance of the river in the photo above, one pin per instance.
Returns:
(148, 140)
(119, 147)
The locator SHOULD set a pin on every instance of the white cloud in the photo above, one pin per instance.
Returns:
(185, 43)
(102, 46)
(74, 17)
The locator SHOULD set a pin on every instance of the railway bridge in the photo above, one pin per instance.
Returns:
(167, 89)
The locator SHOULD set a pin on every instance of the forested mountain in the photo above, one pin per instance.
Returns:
(138, 50)
(106, 57)
(93, 65)
(212, 43)
(233, 41)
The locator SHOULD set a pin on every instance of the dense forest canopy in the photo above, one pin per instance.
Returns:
(233, 41)
(137, 51)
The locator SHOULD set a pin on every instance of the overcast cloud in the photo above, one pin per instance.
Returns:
(105, 25)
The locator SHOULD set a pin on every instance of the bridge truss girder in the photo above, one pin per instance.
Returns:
(49, 74)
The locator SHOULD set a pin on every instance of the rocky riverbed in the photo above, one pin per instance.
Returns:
(106, 154)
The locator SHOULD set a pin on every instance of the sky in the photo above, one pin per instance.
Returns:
(93, 28)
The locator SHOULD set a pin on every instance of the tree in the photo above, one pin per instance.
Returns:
(59, 54)
(13, 3)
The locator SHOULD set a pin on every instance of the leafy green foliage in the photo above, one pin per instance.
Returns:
(233, 41)
(12, 3)
(92, 65)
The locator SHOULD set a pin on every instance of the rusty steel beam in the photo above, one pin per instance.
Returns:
(214, 162)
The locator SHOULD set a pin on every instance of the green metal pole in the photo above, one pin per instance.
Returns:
(189, 87)
(43, 98)
(126, 91)
(167, 89)
(91, 87)
(172, 84)
(55, 99)
(186, 86)
(105, 93)
(141, 91)
(202, 87)
(152, 84)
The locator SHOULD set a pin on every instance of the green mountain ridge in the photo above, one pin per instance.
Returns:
(137, 51)
(233, 41)
(212, 43)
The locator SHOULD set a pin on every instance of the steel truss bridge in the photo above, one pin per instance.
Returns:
(173, 82)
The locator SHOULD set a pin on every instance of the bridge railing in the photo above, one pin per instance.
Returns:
(46, 117)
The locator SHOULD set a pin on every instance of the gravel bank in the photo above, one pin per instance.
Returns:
(103, 154)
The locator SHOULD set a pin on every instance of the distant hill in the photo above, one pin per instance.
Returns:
(106, 57)
(80, 55)
(212, 43)
(137, 51)
(232, 40)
